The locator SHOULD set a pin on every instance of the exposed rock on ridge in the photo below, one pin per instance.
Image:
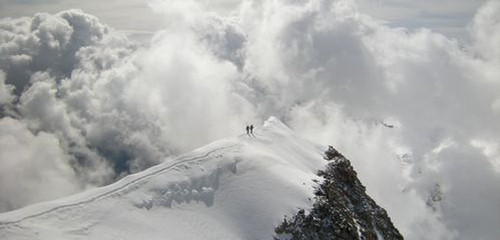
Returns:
(342, 209)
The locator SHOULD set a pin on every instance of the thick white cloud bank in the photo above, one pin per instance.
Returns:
(415, 111)
(36, 158)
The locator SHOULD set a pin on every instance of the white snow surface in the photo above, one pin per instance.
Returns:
(235, 188)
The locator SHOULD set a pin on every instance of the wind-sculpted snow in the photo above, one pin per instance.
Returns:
(123, 186)
(236, 188)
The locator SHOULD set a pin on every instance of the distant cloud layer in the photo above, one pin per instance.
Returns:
(416, 111)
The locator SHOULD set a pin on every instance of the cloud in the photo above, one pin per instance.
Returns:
(34, 167)
(116, 109)
(485, 31)
(45, 42)
(6, 95)
(39, 55)
(335, 75)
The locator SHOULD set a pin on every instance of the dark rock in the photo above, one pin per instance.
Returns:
(341, 209)
(332, 153)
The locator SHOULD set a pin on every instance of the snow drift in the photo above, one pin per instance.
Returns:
(235, 188)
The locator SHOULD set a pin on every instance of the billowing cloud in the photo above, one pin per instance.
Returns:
(113, 108)
(340, 77)
(38, 55)
(34, 167)
(417, 112)
(45, 42)
(6, 95)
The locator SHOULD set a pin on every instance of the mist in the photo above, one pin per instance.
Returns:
(416, 111)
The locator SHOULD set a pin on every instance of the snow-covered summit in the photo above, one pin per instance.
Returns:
(235, 188)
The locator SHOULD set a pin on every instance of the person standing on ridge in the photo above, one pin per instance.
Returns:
(248, 130)
(251, 129)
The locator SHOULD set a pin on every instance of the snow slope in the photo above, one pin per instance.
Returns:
(236, 188)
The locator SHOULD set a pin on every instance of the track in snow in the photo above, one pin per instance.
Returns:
(106, 194)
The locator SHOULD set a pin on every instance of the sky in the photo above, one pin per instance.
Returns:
(408, 91)
(136, 18)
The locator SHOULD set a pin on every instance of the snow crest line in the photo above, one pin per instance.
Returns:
(106, 194)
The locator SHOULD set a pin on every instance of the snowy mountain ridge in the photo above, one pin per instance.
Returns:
(235, 188)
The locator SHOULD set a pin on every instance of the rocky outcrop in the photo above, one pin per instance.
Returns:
(341, 210)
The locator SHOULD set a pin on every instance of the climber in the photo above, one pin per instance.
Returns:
(251, 129)
(248, 130)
